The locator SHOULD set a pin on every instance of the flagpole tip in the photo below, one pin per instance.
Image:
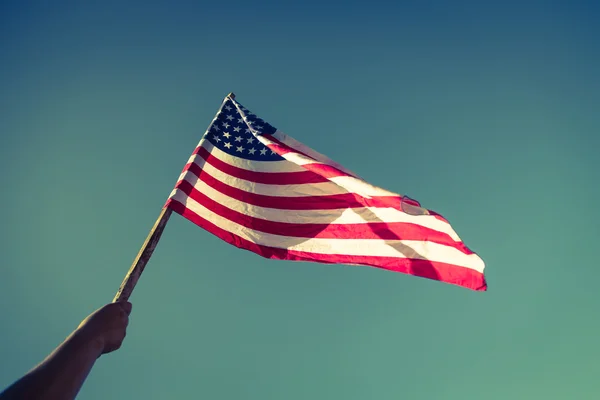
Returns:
(231, 96)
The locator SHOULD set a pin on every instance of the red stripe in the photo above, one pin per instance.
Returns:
(324, 170)
(444, 272)
(323, 202)
(371, 230)
(272, 178)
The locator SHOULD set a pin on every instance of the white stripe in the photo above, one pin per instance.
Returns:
(362, 215)
(250, 165)
(294, 157)
(357, 247)
(361, 187)
(312, 189)
(350, 183)
(294, 144)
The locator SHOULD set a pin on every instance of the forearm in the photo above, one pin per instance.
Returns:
(60, 375)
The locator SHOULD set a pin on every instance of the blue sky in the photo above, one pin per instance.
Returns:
(485, 112)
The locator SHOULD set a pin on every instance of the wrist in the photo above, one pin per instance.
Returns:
(85, 342)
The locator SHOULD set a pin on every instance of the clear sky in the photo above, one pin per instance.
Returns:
(486, 112)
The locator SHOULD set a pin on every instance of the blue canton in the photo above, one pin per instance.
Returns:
(234, 131)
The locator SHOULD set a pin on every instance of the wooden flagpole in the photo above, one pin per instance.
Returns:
(139, 263)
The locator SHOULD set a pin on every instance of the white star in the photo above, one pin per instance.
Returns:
(227, 134)
(252, 150)
(228, 145)
(238, 138)
(263, 152)
(258, 127)
(240, 149)
(228, 108)
(229, 117)
(240, 120)
(216, 127)
(250, 139)
(216, 138)
(225, 125)
(248, 130)
(237, 129)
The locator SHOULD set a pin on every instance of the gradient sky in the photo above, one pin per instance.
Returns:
(486, 112)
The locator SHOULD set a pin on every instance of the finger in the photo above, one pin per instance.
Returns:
(126, 306)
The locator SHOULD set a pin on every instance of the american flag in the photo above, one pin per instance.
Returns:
(258, 189)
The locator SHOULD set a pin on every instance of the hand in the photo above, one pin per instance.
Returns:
(107, 326)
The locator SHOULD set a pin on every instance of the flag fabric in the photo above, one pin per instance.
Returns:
(258, 189)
